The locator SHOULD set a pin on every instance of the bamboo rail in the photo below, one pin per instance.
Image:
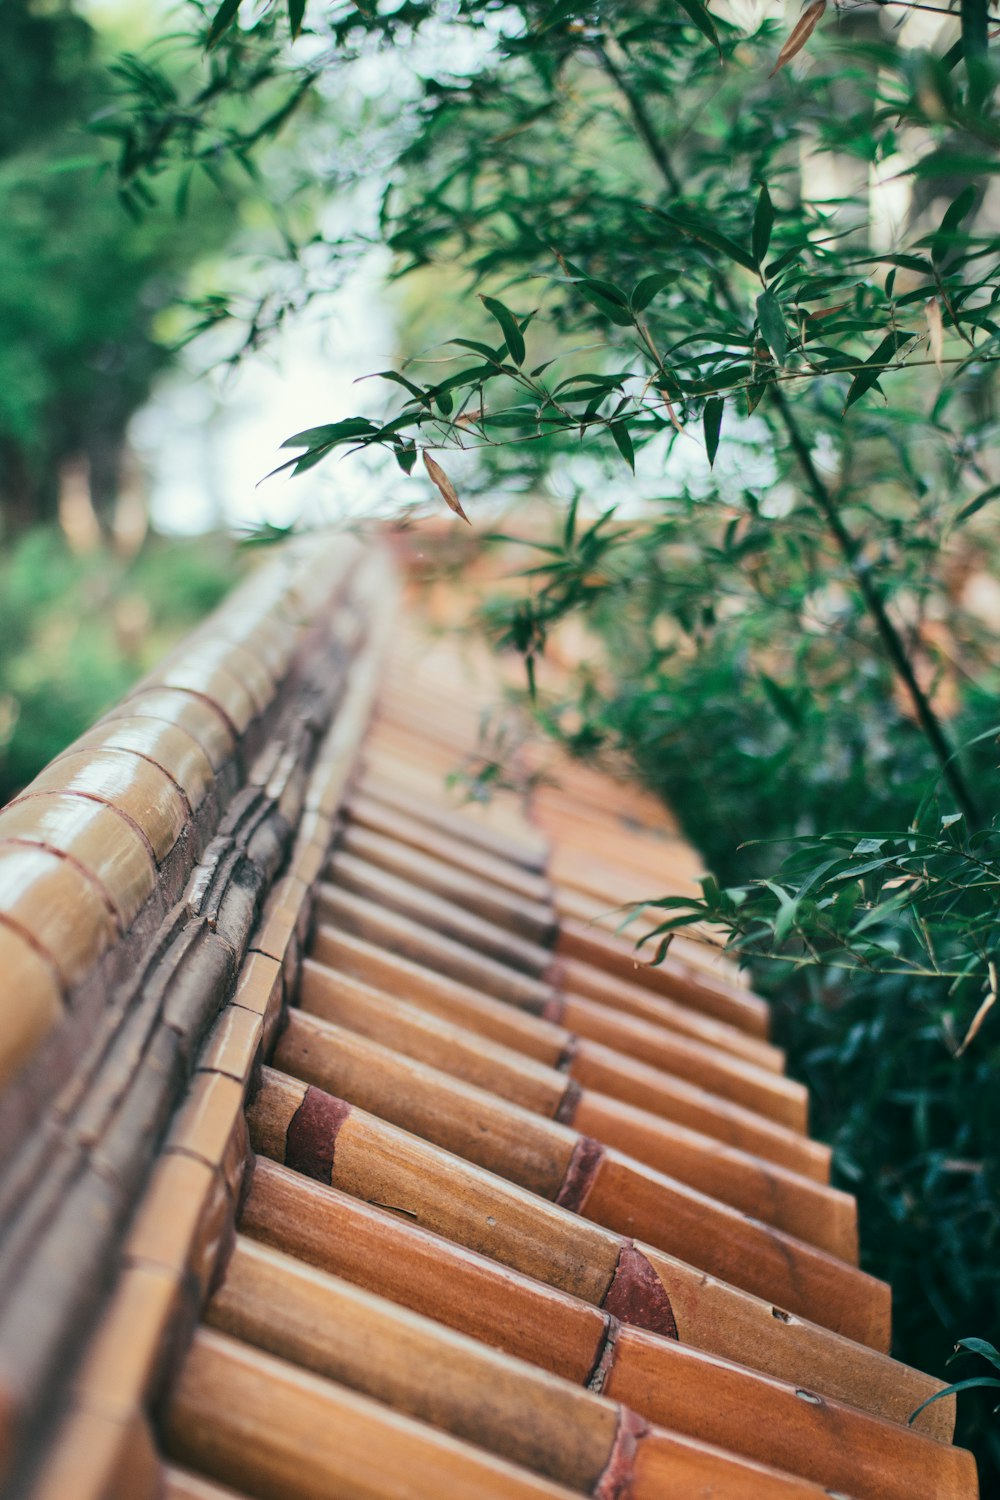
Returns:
(349, 1150)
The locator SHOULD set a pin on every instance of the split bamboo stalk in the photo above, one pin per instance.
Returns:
(769, 1094)
(370, 1154)
(552, 1426)
(821, 1215)
(589, 1063)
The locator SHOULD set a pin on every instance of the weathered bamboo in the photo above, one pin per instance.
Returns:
(530, 919)
(768, 1094)
(262, 1424)
(589, 1063)
(367, 812)
(452, 919)
(820, 1215)
(522, 1216)
(678, 981)
(551, 1426)
(410, 898)
(451, 1194)
(385, 1251)
(626, 997)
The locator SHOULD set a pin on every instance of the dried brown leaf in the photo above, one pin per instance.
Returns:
(449, 494)
(800, 34)
(981, 1013)
(935, 325)
(674, 420)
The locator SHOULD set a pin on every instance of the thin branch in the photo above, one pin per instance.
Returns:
(849, 545)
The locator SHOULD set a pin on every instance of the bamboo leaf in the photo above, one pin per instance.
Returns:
(975, 46)
(222, 20)
(763, 223)
(712, 424)
(873, 367)
(946, 235)
(979, 1346)
(983, 498)
(647, 289)
(701, 18)
(800, 34)
(976, 1023)
(447, 490)
(935, 327)
(331, 434)
(296, 11)
(509, 327)
(772, 325)
(623, 442)
(951, 1390)
(685, 222)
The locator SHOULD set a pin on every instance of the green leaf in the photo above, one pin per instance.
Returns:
(222, 20)
(946, 235)
(606, 289)
(763, 223)
(772, 325)
(509, 327)
(975, 45)
(788, 910)
(616, 310)
(646, 289)
(712, 423)
(682, 219)
(623, 442)
(981, 1347)
(296, 10)
(333, 432)
(785, 703)
(981, 499)
(951, 1390)
(873, 366)
(701, 18)
(477, 348)
(948, 163)
(416, 391)
(755, 393)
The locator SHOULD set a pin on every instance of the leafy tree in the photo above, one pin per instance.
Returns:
(78, 630)
(81, 285)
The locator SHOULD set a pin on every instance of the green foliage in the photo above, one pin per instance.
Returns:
(972, 1346)
(81, 285)
(78, 631)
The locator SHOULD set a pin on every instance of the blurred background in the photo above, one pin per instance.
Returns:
(131, 453)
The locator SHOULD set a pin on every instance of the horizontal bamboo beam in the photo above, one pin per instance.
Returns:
(366, 811)
(821, 1215)
(549, 1425)
(604, 1185)
(676, 980)
(361, 1153)
(769, 1094)
(589, 1063)
(531, 919)
(261, 1424)
(389, 1253)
